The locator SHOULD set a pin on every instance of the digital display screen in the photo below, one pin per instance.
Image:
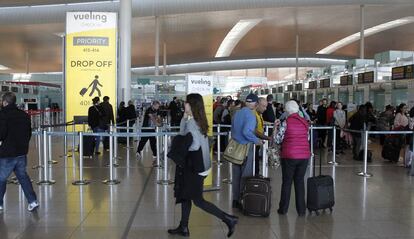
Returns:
(290, 88)
(15, 89)
(274, 90)
(402, 72)
(299, 87)
(313, 84)
(346, 80)
(26, 90)
(35, 91)
(325, 83)
(280, 89)
(4, 88)
(368, 77)
(266, 91)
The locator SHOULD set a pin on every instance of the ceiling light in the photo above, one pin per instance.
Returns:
(367, 32)
(3, 68)
(235, 35)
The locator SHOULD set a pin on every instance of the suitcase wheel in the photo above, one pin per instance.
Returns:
(330, 209)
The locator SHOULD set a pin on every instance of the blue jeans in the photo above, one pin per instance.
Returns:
(18, 166)
(240, 173)
(98, 138)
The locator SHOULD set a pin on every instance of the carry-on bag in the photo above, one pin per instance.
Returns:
(88, 145)
(256, 196)
(83, 91)
(320, 191)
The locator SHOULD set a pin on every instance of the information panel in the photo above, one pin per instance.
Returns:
(402, 72)
(325, 83)
(366, 77)
(313, 84)
(91, 63)
(346, 80)
(290, 88)
(280, 89)
(299, 87)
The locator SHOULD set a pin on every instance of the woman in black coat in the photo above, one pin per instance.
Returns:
(189, 179)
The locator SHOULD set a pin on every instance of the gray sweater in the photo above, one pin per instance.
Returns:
(199, 140)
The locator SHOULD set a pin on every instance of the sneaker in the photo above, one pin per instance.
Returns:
(154, 157)
(138, 154)
(32, 206)
(1, 208)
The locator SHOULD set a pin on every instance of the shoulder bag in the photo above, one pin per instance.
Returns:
(236, 153)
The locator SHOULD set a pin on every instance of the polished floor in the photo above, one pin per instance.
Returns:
(378, 207)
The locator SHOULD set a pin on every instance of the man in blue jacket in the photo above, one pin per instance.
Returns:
(243, 131)
(15, 133)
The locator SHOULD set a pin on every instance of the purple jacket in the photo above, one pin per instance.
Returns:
(295, 143)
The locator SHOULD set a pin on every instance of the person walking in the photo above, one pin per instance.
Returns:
(15, 134)
(295, 153)
(243, 131)
(151, 119)
(189, 184)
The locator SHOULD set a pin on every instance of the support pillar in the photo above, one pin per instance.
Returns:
(362, 34)
(164, 65)
(125, 18)
(157, 47)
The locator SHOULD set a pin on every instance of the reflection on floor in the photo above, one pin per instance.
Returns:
(377, 207)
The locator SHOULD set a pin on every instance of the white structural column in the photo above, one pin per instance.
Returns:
(297, 58)
(157, 47)
(362, 34)
(164, 64)
(125, 18)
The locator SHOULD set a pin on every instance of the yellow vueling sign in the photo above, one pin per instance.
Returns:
(90, 61)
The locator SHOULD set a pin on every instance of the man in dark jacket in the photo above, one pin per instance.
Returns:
(175, 112)
(321, 120)
(108, 118)
(358, 122)
(15, 134)
(269, 114)
(96, 121)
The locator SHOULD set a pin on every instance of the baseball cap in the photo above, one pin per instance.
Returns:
(252, 98)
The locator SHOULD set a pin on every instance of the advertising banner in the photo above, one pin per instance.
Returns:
(203, 85)
(90, 60)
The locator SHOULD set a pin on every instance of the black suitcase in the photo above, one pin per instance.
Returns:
(391, 148)
(88, 146)
(361, 156)
(320, 191)
(256, 198)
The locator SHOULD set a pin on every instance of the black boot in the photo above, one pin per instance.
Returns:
(231, 222)
(236, 204)
(180, 230)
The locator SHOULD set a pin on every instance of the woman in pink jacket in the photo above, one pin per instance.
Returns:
(295, 153)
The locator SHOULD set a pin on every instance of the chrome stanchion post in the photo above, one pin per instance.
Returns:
(127, 139)
(39, 155)
(411, 173)
(157, 130)
(73, 140)
(165, 180)
(81, 180)
(333, 162)
(116, 157)
(312, 159)
(364, 173)
(111, 180)
(51, 161)
(229, 179)
(45, 180)
(254, 159)
(264, 153)
(218, 145)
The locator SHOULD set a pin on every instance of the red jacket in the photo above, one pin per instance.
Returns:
(329, 115)
(295, 143)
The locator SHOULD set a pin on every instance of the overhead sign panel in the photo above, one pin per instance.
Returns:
(90, 60)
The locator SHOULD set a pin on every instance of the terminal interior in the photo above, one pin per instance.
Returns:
(346, 51)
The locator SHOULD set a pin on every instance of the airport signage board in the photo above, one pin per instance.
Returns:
(290, 88)
(346, 80)
(298, 87)
(325, 83)
(280, 89)
(90, 60)
(313, 85)
(402, 72)
(366, 77)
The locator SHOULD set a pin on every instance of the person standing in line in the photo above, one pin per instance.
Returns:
(357, 122)
(15, 134)
(96, 121)
(330, 122)
(295, 153)
(121, 113)
(261, 107)
(108, 119)
(189, 183)
(175, 112)
(243, 131)
(321, 121)
(340, 123)
(269, 114)
(151, 119)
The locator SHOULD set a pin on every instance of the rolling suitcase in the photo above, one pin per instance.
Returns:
(83, 91)
(256, 196)
(320, 191)
(88, 146)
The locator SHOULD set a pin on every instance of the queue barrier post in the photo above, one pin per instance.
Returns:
(111, 180)
(46, 177)
(218, 144)
(264, 154)
(333, 161)
(364, 173)
(50, 161)
(165, 177)
(312, 159)
(411, 173)
(157, 138)
(128, 139)
(116, 157)
(39, 155)
(81, 180)
(229, 179)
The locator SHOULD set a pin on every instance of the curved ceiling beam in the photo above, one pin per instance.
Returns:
(144, 8)
(235, 35)
(221, 65)
(367, 32)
